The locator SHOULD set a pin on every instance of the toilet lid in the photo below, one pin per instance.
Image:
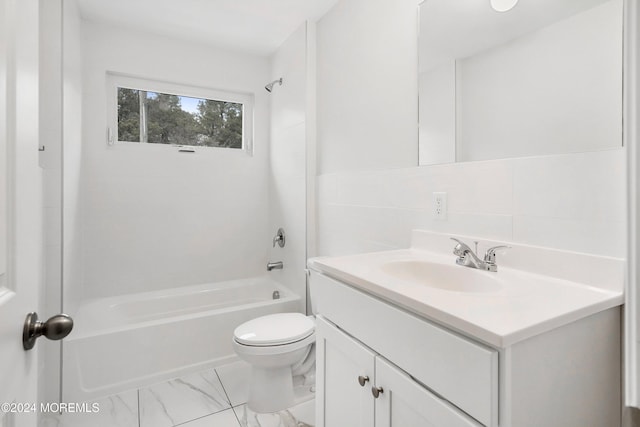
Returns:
(274, 329)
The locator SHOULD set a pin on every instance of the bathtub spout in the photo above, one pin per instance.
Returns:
(274, 266)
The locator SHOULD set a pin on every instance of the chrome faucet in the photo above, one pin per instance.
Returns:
(279, 238)
(274, 265)
(468, 258)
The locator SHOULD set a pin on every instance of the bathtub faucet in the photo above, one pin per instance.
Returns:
(274, 266)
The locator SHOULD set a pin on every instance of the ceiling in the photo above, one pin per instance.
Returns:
(252, 26)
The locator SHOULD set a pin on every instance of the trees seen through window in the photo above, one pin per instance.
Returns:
(160, 118)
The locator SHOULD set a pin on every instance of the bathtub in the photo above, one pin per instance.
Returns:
(126, 342)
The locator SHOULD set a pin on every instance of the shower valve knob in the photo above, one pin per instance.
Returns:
(56, 328)
(279, 238)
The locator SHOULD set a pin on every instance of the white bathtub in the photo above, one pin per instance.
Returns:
(126, 342)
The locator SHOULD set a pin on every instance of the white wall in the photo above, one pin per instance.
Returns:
(50, 92)
(205, 215)
(287, 183)
(557, 90)
(572, 201)
(72, 146)
(366, 86)
(60, 116)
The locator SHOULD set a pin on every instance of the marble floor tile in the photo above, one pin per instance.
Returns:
(226, 418)
(184, 399)
(7, 419)
(258, 420)
(120, 410)
(303, 414)
(235, 379)
(198, 400)
(47, 420)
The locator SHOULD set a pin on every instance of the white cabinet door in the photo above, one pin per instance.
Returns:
(340, 399)
(404, 403)
(21, 206)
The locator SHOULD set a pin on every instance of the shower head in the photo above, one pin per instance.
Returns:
(269, 87)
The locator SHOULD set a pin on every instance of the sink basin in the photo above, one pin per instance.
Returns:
(452, 278)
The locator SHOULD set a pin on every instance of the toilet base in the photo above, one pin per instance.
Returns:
(270, 390)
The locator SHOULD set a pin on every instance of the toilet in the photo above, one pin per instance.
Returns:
(277, 346)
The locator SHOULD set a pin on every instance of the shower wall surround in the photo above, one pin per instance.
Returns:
(287, 182)
(370, 194)
(205, 214)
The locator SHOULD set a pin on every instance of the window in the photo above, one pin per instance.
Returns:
(163, 113)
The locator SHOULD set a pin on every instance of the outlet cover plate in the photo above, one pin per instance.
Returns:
(439, 205)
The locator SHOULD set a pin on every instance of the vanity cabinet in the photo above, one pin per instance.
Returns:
(430, 375)
(342, 363)
(360, 388)
(463, 371)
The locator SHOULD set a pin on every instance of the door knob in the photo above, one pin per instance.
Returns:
(362, 380)
(56, 328)
(376, 391)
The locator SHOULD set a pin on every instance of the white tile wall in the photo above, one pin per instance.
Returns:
(572, 201)
(586, 186)
(287, 161)
(204, 216)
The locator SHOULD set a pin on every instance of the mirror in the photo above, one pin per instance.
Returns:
(544, 77)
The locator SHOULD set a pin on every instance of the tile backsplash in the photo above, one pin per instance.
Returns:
(574, 202)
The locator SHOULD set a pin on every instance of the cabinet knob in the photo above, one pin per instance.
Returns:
(362, 380)
(56, 328)
(376, 391)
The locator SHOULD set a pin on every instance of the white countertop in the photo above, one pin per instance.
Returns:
(526, 305)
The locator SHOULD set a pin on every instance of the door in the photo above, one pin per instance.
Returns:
(20, 205)
(345, 372)
(403, 402)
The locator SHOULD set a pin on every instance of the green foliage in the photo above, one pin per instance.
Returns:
(168, 123)
(220, 123)
(128, 115)
(216, 124)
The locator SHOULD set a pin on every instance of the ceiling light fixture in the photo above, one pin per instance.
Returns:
(503, 5)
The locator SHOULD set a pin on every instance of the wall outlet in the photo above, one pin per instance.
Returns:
(440, 205)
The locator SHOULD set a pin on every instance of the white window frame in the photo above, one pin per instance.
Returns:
(116, 80)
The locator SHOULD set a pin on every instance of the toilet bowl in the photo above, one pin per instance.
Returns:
(275, 346)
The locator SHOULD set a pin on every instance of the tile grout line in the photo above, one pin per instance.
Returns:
(199, 418)
(233, 408)
(228, 398)
(139, 417)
